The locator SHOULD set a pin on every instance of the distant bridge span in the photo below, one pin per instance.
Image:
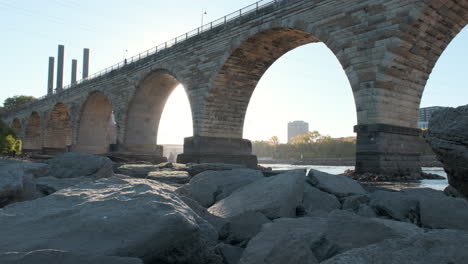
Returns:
(387, 48)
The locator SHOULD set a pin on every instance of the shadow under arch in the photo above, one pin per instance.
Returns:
(145, 111)
(58, 134)
(32, 136)
(16, 127)
(96, 125)
(221, 122)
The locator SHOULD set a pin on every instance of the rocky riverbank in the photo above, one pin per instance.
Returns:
(84, 209)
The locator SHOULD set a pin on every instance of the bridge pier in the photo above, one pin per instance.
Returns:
(388, 150)
(200, 149)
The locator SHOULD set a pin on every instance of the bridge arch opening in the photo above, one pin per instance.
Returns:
(96, 131)
(33, 137)
(16, 127)
(145, 112)
(58, 134)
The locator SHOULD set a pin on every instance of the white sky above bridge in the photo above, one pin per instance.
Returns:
(306, 84)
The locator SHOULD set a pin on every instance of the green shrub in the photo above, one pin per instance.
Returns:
(8, 143)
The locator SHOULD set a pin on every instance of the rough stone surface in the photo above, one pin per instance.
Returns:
(395, 205)
(231, 254)
(447, 213)
(275, 197)
(286, 240)
(61, 257)
(245, 226)
(195, 169)
(316, 200)
(17, 183)
(435, 247)
(177, 177)
(111, 217)
(448, 137)
(335, 184)
(71, 165)
(143, 169)
(49, 185)
(210, 187)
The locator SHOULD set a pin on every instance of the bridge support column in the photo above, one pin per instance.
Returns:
(388, 150)
(200, 149)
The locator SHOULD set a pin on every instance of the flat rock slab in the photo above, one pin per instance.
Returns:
(436, 247)
(49, 185)
(178, 177)
(61, 257)
(210, 187)
(195, 169)
(275, 197)
(71, 165)
(337, 185)
(111, 217)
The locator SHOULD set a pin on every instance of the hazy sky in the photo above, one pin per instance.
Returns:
(307, 83)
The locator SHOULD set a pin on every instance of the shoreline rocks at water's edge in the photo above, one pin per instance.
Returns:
(226, 214)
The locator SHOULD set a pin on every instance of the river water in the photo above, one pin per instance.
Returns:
(434, 184)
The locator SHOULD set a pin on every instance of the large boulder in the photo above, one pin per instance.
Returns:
(286, 240)
(194, 168)
(72, 165)
(62, 257)
(396, 205)
(337, 185)
(49, 185)
(315, 200)
(275, 197)
(448, 137)
(442, 246)
(209, 187)
(111, 217)
(17, 183)
(169, 176)
(143, 169)
(245, 226)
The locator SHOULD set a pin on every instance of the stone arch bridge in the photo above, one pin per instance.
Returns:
(387, 48)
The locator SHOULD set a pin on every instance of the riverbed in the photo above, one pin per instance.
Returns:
(433, 184)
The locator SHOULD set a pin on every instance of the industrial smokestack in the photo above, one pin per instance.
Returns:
(50, 83)
(73, 72)
(61, 54)
(85, 63)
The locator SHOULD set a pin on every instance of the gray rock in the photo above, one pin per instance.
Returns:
(36, 169)
(195, 169)
(354, 202)
(316, 200)
(211, 186)
(138, 170)
(447, 213)
(177, 177)
(347, 231)
(448, 137)
(49, 185)
(231, 254)
(396, 205)
(436, 247)
(275, 197)
(62, 257)
(220, 224)
(245, 226)
(72, 165)
(452, 192)
(111, 217)
(16, 184)
(286, 240)
(337, 185)
(401, 228)
(365, 211)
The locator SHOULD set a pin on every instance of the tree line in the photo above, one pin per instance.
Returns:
(307, 146)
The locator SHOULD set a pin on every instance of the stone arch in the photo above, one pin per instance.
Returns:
(145, 110)
(16, 127)
(58, 133)
(230, 92)
(95, 128)
(33, 137)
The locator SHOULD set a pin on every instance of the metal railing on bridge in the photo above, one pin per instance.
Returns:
(248, 10)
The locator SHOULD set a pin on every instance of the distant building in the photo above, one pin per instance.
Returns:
(425, 116)
(297, 128)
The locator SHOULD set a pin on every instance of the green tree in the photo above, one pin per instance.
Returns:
(8, 143)
(307, 138)
(17, 101)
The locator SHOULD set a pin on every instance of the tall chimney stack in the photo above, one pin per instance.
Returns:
(61, 54)
(73, 72)
(85, 63)
(50, 82)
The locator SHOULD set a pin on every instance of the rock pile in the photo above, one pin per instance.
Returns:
(231, 215)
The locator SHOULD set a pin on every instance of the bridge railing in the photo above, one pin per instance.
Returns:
(250, 9)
